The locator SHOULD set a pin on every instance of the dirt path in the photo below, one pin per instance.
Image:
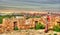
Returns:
(30, 32)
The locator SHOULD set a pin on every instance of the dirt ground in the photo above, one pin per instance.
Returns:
(30, 32)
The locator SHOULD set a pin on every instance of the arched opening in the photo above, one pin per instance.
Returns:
(36, 23)
(15, 25)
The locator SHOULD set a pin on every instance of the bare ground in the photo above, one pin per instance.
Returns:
(30, 32)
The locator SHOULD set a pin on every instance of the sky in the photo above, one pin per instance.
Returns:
(53, 5)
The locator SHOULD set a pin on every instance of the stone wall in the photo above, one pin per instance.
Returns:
(23, 23)
(8, 25)
(1, 28)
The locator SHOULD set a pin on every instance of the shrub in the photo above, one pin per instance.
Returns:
(4, 16)
(56, 28)
(1, 20)
(40, 26)
(16, 28)
(55, 34)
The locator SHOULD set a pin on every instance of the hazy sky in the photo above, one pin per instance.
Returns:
(31, 4)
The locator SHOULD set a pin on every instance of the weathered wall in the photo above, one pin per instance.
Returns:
(22, 23)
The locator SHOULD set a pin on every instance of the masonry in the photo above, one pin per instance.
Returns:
(21, 22)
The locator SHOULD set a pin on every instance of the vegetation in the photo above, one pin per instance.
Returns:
(39, 26)
(37, 16)
(27, 17)
(4, 16)
(49, 34)
(56, 28)
(16, 28)
(1, 19)
(55, 34)
(32, 17)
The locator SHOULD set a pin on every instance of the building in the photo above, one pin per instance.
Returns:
(21, 22)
